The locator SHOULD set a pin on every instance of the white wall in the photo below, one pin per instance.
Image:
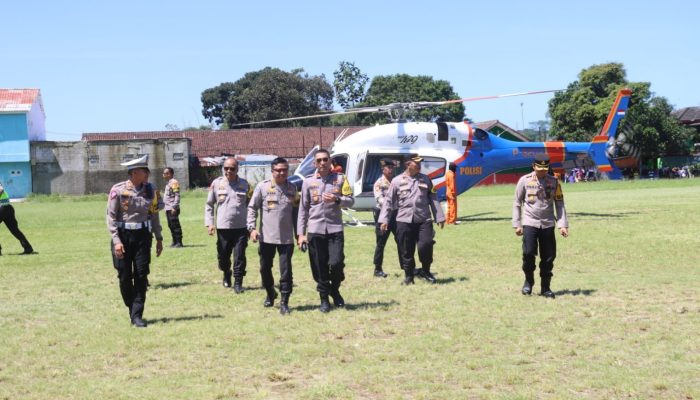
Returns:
(36, 121)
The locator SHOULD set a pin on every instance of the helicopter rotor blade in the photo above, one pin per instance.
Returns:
(394, 106)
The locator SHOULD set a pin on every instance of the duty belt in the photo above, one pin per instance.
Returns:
(134, 226)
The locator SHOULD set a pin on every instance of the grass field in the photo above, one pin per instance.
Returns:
(624, 324)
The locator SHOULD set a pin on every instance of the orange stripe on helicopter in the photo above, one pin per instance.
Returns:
(616, 106)
(555, 151)
(439, 185)
(436, 173)
(600, 138)
(605, 168)
(468, 146)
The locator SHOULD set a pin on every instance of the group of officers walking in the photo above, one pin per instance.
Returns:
(406, 206)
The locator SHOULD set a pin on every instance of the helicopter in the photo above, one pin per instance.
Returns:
(475, 152)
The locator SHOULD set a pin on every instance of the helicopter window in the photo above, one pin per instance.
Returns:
(373, 170)
(442, 131)
(434, 167)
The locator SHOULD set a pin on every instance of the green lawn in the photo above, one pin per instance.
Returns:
(624, 324)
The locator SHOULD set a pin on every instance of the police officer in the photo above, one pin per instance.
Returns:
(320, 225)
(7, 215)
(381, 187)
(411, 194)
(171, 198)
(228, 197)
(132, 220)
(275, 199)
(537, 196)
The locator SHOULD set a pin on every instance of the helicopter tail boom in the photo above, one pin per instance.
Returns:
(608, 132)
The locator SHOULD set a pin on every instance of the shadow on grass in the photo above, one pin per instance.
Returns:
(575, 292)
(167, 320)
(479, 217)
(445, 281)
(348, 306)
(173, 285)
(187, 245)
(586, 215)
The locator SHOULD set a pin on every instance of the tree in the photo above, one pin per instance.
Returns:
(579, 112)
(406, 88)
(349, 84)
(266, 95)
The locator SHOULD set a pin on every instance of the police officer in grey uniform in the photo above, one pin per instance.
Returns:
(275, 199)
(228, 198)
(411, 195)
(381, 188)
(171, 198)
(537, 196)
(320, 225)
(133, 220)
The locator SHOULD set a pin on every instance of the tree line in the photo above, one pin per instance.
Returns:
(574, 114)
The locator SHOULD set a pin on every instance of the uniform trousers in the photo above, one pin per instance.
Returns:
(409, 235)
(382, 238)
(267, 256)
(7, 215)
(173, 217)
(228, 242)
(327, 260)
(133, 269)
(545, 238)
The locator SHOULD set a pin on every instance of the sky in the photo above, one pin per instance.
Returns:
(142, 65)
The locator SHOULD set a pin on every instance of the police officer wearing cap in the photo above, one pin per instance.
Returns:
(132, 220)
(381, 188)
(275, 199)
(228, 199)
(412, 196)
(320, 225)
(537, 196)
(171, 198)
(7, 215)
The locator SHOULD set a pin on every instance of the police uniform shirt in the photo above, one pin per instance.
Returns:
(128, 203)
(317, 216)
(381, 187)
(414, 199)
(536, 200)
(231, 202)
(171, 197)
(275, 203)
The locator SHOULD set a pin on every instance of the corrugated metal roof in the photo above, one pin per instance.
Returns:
(17, 100)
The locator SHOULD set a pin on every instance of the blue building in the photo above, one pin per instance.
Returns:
(22, 120)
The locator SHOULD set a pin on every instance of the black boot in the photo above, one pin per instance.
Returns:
(546, 291)
(271, 296)
(227, 279)
(529, 282)
(379, 273)
(27, 248)
(425, 274)
(408, 279)
(284, 304)
(325, 305)
(338, 300)
(138, 322)
(238, 285)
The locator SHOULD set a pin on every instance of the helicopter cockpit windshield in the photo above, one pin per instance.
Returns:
(305, 168)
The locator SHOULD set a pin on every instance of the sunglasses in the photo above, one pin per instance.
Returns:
(323, 159)
(280, 170)
(230, 168)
